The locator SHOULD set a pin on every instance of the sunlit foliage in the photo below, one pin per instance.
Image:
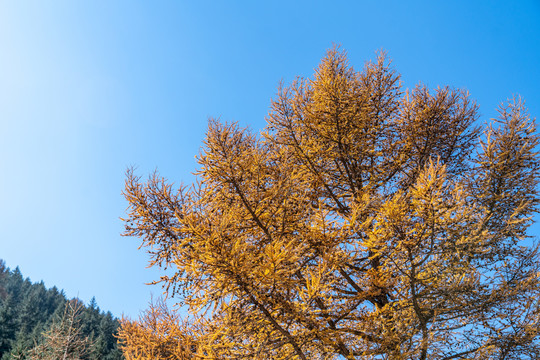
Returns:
(158, 335)
(364, 222)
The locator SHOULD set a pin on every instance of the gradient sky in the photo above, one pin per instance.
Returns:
(90, 88)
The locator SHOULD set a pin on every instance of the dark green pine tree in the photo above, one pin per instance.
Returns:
(10, 320)
(35, 314)
(4, 272)
(100, 328)
(8, 325)
(108, 327)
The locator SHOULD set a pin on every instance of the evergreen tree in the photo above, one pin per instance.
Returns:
(10, 319)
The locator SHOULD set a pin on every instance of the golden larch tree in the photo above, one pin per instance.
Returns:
(364, 222)
(158, 335)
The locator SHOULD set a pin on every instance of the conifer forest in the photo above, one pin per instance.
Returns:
(40, 323)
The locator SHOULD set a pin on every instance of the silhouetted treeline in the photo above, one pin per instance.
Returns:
(27, 311)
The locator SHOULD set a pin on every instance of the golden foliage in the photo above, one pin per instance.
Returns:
(157, 335)
(365, 222)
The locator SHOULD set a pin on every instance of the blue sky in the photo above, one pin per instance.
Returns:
(90, 88)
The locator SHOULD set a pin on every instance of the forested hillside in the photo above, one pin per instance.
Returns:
(34, 319)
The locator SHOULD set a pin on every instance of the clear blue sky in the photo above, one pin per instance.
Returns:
(90, 88)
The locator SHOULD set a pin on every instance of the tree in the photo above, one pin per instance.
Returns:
(10, 310)
(158, 335)
(64, 340)
(364, 222)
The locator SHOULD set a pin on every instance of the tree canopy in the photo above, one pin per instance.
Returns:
(364, 222)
